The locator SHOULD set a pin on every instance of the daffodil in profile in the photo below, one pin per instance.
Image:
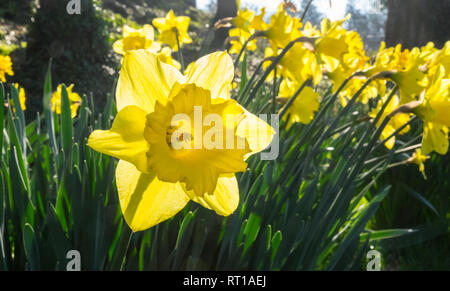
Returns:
(435, 113)
(134, 39)
(5, 67)
(74, 99)
(173, 30)
(178, 138)
(304, 106)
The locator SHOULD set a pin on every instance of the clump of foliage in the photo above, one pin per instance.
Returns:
(78, 45)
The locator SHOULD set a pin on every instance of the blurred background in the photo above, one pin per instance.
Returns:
(80, 46)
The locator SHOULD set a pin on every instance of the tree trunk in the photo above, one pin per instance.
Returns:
(225, 8)
(417, 22)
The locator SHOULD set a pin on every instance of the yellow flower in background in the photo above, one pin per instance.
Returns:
(419, 159)
(279, 30)
(406, 67)
(435, 138)
(160, 168)
(165, 56)
(300, 64)
(134, 39)
(74, 98)
(5, 67)
(172, 27)
(22, 98)
(243, 20)
(258, 22)
(304, 106)
(397, 121)
(437, 57)
(435, 113)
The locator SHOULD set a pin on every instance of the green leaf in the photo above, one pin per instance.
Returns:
(31, 247)
(66, 125)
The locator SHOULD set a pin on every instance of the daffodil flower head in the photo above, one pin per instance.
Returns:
(173, 30)
(258, 22)
(244, 19)
(74, 99)
(178, 138)
(5, 67)
(280, 28)
(134, 39)
(304, 106)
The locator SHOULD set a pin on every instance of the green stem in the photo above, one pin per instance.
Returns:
(291, 101)
(306, 10)
(277, 60)
(180, 54)
(274, 92)
(119, 257)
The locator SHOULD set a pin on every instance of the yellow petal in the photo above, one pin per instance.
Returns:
(125, 140)
(118, 47)
(143, 80)
(256, 131)
(146, 201)
(225, 198)
(435, 138)
(213, 72)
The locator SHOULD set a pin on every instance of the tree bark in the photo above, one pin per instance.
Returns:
(225, 8)
(417, 22)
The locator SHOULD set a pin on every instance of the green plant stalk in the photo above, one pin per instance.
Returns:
(180, 53)
(119, 257)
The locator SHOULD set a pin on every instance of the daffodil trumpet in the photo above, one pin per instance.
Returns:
(164, 160)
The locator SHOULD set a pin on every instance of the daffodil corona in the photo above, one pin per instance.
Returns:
(178, 138)
(133, 39)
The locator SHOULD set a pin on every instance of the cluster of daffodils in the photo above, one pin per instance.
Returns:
(299, 52)
(74, 98)
(173, 33)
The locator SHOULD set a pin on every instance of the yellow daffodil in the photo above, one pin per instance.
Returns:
(165, 56)
(134, 39)
(22, 98)
(164, 164)
(74, 98)
(300, 64)
(304, 106)
(397, 121)
(279, 30)
(246, 24)
(406, 68)
(5, 67)
(173, 28)
(258, 23)
(435, 113)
